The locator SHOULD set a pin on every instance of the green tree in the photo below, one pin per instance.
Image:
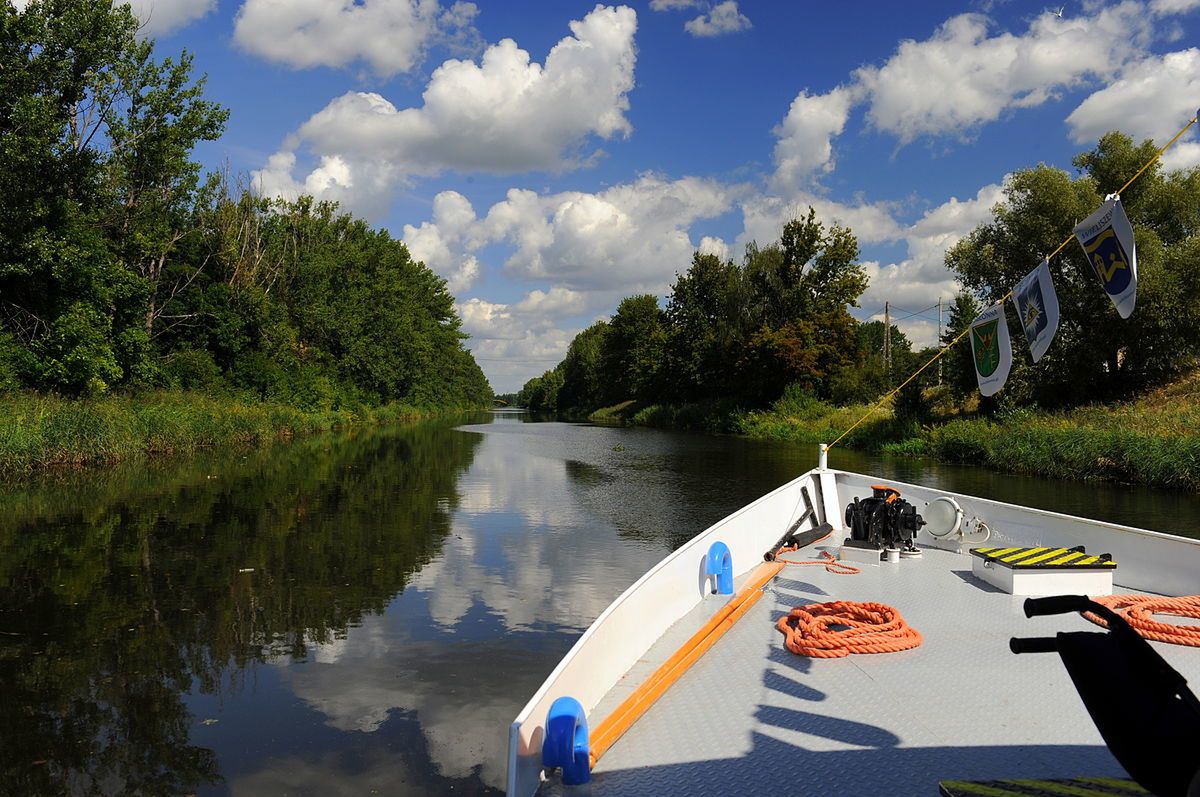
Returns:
(58, 280)
(870, 377)
(583, 388)
(911, 405)
(798, 295)
(703, 337)
(958, 365)
(540, 394)
(632, 359)
(157, 115)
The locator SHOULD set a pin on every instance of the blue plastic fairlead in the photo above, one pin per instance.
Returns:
(720, 565)
(566, 741)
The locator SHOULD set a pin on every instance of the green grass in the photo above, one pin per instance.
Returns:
(38, 431)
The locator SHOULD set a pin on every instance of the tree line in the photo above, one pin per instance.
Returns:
(123, 265)
(740, 335)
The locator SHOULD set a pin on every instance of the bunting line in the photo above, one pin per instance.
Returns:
(966, 329)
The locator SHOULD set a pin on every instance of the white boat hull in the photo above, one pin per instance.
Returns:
(676, 586)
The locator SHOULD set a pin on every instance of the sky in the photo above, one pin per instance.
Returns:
(550, 157)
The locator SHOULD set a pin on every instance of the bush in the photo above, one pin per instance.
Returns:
(77, 356)
(799, 402)
(193, 369)
(14, 360)
(963, 440)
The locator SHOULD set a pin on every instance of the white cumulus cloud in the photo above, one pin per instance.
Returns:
(631, 237)
(764, 217)
(724, 18)
(1152, 99)
(514, 342)
(963, 77)
(446, 244)
(391, 36)
(804, 145)
(1167, 7)
(710, 245)
(506, 114)
(673, 5)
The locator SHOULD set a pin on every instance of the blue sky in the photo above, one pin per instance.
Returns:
(549, 158)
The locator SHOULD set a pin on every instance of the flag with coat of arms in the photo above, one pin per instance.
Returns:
(1037, 309)
(1107, 240)
(991, 349)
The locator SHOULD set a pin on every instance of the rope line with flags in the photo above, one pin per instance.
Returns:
(1106, 237)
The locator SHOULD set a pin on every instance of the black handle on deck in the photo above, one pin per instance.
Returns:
(1057, 604)
(1034, 644)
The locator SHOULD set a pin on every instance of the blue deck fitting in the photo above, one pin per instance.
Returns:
(566, 741)
(720, 564)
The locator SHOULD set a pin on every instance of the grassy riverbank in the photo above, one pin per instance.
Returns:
(1154, 440)
(38, 431)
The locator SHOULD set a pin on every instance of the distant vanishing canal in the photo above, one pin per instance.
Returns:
(364, 613)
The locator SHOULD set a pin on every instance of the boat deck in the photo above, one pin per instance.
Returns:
(752, 718)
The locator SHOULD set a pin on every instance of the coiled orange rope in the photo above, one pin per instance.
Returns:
(865, 628)
(1139, 611)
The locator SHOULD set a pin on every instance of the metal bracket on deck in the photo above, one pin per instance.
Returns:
(565, 744)
(719, 563)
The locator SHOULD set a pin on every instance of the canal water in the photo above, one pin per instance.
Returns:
(362, 613)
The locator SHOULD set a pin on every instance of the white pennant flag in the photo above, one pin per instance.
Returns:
(1107, 240)
(991, 349)
(1037, 309)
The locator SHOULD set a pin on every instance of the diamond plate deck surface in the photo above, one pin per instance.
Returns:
(752, 718)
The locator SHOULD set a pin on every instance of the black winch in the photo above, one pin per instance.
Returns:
(885, 520)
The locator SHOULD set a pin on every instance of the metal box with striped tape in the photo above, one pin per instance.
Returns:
(1044, 570)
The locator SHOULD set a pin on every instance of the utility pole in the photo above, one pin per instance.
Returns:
(887, 337)
(939, 338)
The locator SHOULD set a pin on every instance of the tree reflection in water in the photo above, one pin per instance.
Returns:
(121, 592)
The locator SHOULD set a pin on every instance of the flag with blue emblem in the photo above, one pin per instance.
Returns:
(1037, 309)
(991, 349)
(1107, 240)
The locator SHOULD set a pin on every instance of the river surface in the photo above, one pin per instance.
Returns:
(362, 613)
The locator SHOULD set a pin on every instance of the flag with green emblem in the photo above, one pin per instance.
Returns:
(991, 349)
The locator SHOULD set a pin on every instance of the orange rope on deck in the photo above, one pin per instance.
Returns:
(865, 628)
(614, 725)
(1139, 611)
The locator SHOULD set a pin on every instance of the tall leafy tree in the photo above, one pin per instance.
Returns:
(540, 394)
(156, 115)
(58, 279)
(703, 316)
(958, 365)
(582, 370)
(800, 292)
(632, 358)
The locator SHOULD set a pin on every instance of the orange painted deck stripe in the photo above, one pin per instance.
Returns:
(650, 690)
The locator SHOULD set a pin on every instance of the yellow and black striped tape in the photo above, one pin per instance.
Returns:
(1043, 558)
(1074, 787)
